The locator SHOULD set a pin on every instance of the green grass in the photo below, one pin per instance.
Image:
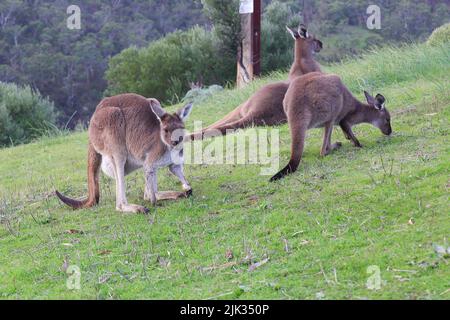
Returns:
(385, 205)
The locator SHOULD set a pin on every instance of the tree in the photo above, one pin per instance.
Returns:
(224, 15)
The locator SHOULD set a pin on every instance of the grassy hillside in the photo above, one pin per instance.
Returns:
(318, 231)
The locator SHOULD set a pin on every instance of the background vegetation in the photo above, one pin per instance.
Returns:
(37, 48)
(24, 114)
(440, 36)
(167, 67)
(315, 235)
(68, 66)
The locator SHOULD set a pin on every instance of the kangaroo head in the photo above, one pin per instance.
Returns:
(171, 125)
(306, 41)
(379, 116)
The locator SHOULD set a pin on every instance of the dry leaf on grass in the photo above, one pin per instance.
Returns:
(163, 262)
(286, 245)
(74, 231)
(258, 264)
(104, 252)
(441, 250)
(253, 199)
(221, 266)
(304, 242)
(65, 265)
(102, 279)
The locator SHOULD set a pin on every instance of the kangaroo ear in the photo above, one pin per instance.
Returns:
(184, 112)
(319, 45)
(303, 32)
(293, 33)
(379, 101)
(369, 98)
(156, 108)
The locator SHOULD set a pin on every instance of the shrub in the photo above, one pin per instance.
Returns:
(24, 114)
(349, 42)
(440, 36)
(165, 68)
(277, 46)
(198, 95)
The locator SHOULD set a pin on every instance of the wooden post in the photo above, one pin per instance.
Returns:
(249, 55)
(256, 32)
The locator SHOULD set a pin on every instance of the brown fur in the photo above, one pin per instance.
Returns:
(265, 107)
(322, 100)
(127, 132)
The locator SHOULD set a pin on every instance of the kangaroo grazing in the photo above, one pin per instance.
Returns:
(265, 107)
(128, 132)
(321, 100)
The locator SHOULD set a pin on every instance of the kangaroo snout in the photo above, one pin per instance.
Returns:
(177, 141)
(388, 132)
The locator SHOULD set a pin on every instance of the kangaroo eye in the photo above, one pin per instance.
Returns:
(166, 131)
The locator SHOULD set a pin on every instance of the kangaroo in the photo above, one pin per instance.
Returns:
(265, 107)
(321, 100)
(127, 132)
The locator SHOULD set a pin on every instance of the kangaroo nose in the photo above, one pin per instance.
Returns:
(177, 142)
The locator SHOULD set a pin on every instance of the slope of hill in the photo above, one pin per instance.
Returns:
(360, 223)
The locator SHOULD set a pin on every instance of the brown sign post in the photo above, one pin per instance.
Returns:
(249, 55)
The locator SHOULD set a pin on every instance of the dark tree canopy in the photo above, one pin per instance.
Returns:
(68, 66)
(38, 49)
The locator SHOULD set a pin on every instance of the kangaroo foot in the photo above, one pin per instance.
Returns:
(170, 195)
(132, 208)
(336, 145)
(357, 144)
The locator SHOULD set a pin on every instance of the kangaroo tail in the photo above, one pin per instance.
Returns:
(231, 117)
(94, 162)
(290, 168)
(223, 129)
(298, 133)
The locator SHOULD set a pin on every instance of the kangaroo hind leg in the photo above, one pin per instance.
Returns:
(327, 147)
(121, 198)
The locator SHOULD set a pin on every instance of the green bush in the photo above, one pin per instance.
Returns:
(440, 36)
(349, 42)
(24, 114)
(165, 68)
(277, 46)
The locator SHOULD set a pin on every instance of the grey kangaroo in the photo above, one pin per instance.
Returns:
(128, 132)
(265, 107)
(321, 100)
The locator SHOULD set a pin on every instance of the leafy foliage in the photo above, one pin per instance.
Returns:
(166, 67)
(225, 17)
(24, 114)
(440, 36)
(276, 44)
(38, 49)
